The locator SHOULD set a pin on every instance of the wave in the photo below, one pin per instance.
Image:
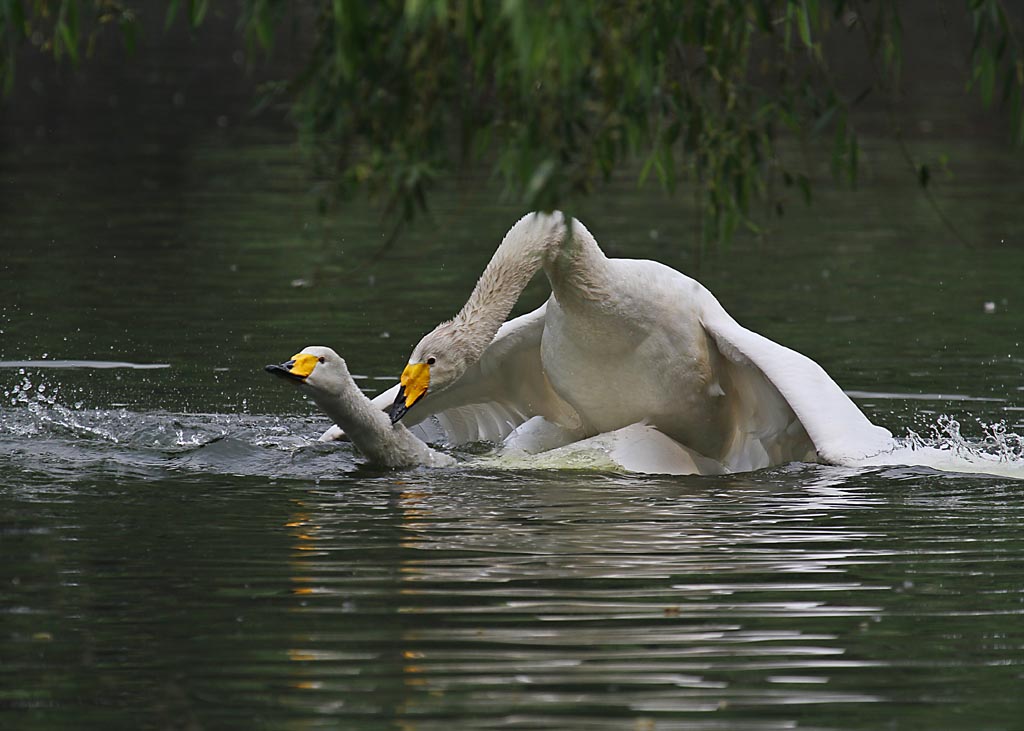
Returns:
(998, 452)
(42, 433)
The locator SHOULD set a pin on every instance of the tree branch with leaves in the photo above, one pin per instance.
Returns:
(557, 96)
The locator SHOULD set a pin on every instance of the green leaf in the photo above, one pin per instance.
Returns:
(645, 171)
(69, 41)
(540, 180)
(129, 34)
(16, 19)
(764, 16)
(261, 25)
(803, 23)
(986, 73)
(197, 11)
(172, 12)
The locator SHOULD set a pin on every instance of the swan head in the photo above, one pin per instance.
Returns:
(315, 366)
(437, 361)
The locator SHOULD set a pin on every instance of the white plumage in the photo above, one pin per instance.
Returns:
(623, 342)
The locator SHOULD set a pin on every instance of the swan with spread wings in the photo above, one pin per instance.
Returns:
(619, 342)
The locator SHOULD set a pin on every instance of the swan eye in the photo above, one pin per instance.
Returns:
(431, 360)
(321, 359)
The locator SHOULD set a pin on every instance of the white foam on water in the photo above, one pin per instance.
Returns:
(33, 409)
(999, 452)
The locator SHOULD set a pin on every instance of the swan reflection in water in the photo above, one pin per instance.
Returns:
(451, 600)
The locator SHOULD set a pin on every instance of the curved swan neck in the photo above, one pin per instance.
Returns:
(370, 429)
(577, 268)
(524, 249)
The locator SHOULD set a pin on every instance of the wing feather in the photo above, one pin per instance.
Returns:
(505, 388)
(838, 429)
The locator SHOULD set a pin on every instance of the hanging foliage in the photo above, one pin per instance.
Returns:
(557, 95)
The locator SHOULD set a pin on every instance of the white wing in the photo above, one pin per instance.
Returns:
(505, 388)
(763, 371)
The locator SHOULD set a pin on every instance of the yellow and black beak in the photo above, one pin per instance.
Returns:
(296, 369)
(414, 383)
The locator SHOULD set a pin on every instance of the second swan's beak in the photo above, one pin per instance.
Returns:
(414, 383)
(296, 369)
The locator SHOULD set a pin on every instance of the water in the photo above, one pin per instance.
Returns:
(179, 551)
(258, 580)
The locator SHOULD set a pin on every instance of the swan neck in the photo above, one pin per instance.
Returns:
(516, 260)
(369, 428)
(578, 269)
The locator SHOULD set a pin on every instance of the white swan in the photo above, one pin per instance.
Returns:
(324, 375)
(621, 341)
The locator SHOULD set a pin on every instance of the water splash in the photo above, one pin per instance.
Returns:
(42, 433)
(944, 447)
(44, 413)
(45, 425)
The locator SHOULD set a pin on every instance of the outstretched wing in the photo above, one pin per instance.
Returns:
(505, 388)
(762, 371)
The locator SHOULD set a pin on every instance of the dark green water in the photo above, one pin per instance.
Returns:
(178, 551)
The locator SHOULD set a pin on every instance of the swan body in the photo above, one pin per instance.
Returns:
(324, 375)
(621, 342)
